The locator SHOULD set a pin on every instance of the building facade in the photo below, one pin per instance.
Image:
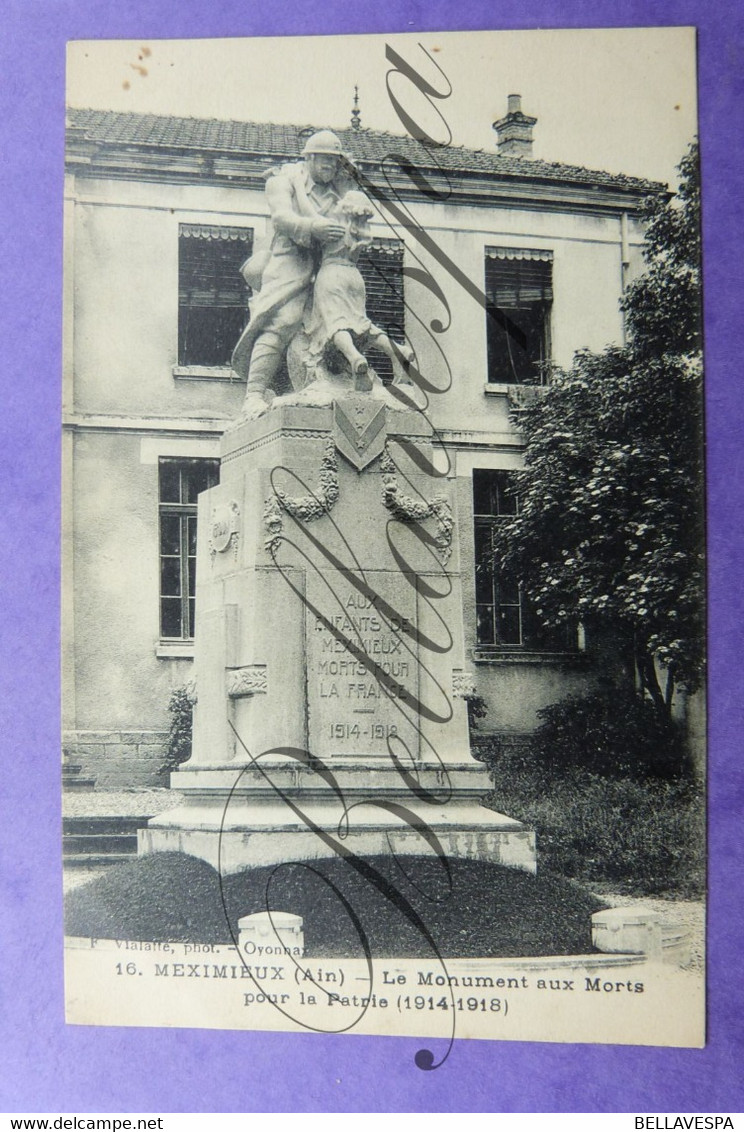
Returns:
(521, 263)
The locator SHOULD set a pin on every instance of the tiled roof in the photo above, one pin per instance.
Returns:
(110, 127)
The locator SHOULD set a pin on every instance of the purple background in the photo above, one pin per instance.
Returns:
(46, 1066)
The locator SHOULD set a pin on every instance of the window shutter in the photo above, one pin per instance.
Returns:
(518, 277)
(381, 267)
(212, 294)
(210, 259)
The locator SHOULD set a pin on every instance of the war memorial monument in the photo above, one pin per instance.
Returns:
(330, 688)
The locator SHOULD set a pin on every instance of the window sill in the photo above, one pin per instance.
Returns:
(513, 389)
(175, 650)
(484, 654)
(207, 373)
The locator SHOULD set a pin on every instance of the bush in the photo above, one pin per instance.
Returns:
(641, 836)
(490, 910)
(477, 710)
(610, 731)
(178, 750)
(159, 896)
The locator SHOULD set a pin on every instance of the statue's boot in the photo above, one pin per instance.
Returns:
(265, 361)
(362, 378)
(254, 405)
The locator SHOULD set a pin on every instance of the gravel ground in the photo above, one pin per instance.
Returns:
(126, 803)
(76, 878)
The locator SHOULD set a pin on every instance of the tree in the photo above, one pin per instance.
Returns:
(610, 525)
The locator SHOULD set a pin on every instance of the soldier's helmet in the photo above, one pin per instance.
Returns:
(325, 141)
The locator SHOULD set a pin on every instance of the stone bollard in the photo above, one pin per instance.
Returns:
(632, 930)
(264, 934)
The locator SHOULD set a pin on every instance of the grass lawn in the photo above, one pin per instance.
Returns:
(644, 837)
(488, 910)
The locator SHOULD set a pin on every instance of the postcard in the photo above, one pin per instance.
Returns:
(383, 623)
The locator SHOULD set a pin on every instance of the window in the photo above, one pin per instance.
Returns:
(212, 294)
(503, 614)
(381, 267)
(180, 484)
(519, 292)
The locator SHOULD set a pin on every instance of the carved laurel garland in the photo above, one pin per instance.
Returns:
(309, 507)
(463, 685)
(247, 681)
(306, 508)
(409, 510)
(272, 519)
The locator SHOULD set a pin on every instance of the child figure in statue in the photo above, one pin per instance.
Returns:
(338, 326)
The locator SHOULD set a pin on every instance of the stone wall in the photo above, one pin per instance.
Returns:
(118, 760)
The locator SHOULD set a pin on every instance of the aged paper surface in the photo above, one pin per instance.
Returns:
(334, 623)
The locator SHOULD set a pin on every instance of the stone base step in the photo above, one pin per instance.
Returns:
(107, 824)
(116, 843)
(95, 860)
(99, 840)
(72, 780)
(356, 779)
(77, 785)
(247, 835)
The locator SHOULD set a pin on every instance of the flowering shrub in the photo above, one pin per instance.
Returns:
(178, 750)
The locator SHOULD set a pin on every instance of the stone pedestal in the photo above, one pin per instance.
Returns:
(637, 930)
(329, 655)
(270, 933)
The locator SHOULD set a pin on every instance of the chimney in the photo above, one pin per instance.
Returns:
(514, 132)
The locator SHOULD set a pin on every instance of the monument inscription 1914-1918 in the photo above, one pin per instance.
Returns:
(352, 712)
